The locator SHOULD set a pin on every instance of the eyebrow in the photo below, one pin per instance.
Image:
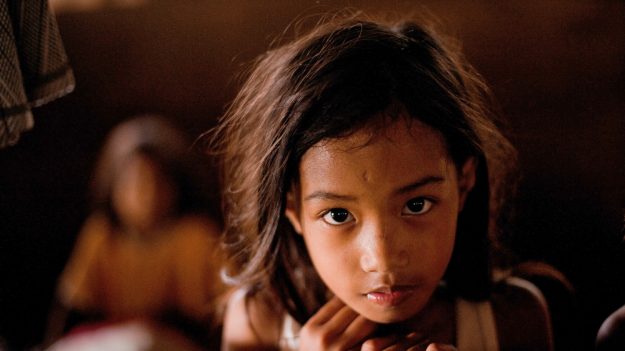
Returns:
(427, 180)
(326, 195)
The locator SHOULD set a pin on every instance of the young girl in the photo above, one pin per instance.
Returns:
(149, 250)
(362, 175)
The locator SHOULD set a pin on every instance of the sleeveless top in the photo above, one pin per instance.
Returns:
(476, 329)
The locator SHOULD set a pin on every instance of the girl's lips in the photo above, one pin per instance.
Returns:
(390, 296)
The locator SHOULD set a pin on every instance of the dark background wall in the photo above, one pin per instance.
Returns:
(556, 67)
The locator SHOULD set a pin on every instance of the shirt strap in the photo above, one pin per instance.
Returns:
(475, 326)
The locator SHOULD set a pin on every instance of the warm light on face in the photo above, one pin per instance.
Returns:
(379, 218)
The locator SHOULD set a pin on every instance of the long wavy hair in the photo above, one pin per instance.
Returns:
(331, 82)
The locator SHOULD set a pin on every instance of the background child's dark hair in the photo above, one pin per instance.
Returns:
(346, 75)
(160, 141)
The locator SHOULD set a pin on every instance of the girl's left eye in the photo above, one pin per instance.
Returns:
(417, 206)
(338, 216)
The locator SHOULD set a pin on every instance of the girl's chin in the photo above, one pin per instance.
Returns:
(387, 319)
(393, 310)
(390, 314)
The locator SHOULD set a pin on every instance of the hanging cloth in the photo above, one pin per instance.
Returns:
(33, 65)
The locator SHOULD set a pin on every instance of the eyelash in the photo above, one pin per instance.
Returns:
(427, 206)
(329, 215)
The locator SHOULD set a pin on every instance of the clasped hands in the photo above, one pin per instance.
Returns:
(337, 327)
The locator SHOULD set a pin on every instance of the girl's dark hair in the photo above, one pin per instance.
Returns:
(334, 81)
(160, 141)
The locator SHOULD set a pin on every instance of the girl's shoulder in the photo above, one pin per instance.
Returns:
(521, 315)
(251, 322)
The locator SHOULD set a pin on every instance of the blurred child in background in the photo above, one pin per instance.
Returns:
(149, 252)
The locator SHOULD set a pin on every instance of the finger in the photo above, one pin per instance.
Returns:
(379, 343)
(334, 328)
(341, 320)
(355, 331)
(348, 329)
(421, 346)
(327, 326)
(327, 311)
(413, 340)
(440, 347)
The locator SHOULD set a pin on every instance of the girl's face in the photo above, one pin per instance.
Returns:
(379, 216)
(142, 194)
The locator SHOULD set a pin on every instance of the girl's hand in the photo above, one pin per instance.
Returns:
(335, 327)
(441, 347)
(409, 343)
(412, 341)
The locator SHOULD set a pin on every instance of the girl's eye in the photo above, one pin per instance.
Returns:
(417, 206)
(337, 216)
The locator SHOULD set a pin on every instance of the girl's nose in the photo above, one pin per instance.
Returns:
(382, 249)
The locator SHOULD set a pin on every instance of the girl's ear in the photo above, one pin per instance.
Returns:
(466, 180)
(292, 211)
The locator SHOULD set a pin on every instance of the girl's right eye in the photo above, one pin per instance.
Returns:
(337, 216)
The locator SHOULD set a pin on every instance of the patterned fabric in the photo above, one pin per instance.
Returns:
(33, 64)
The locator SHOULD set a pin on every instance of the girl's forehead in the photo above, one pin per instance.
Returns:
(397, 133)
(364, 163)
(405, 148)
